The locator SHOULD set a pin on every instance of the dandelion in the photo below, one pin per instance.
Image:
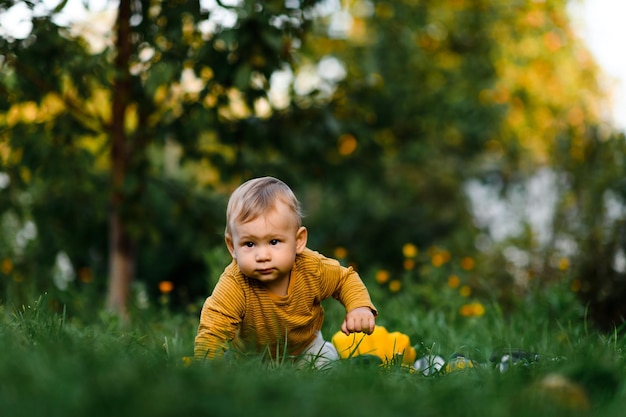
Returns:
(409, 250)
(395, 285)
(6, 266)
(576, 285)
(408, 264)
(166, 287)
(347, 144)
(474, 309)
(439, 257)
(465, 291)
(341, 252)
(382, 276)
(479, 309)
(466, 310)
(563, 264)
(468, 263)
(437, 260)
(454, 281)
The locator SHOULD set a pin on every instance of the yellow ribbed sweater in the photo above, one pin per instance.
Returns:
(242, 311)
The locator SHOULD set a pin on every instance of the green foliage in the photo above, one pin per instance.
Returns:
(61, 106)
(596, 198)
(434, 94)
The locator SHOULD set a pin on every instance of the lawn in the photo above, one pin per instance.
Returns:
(55, 365)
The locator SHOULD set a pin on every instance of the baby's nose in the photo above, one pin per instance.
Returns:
(262, 254)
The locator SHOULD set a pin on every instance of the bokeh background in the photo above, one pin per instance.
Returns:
(460, 154)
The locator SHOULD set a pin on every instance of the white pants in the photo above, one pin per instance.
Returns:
(319, 353)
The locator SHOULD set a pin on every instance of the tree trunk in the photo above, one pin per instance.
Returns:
(121, 254)
(121, 266)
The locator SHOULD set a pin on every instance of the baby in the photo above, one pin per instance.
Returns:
(268, 299)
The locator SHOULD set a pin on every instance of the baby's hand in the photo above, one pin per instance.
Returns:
(360, 319)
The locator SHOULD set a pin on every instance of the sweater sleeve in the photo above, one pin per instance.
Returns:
(220, 319)
(352, 292)
(345, 285)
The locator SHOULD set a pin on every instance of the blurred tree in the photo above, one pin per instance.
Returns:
(591, 219)
(551, 89)
(385, 119)
(388, 109)
(79, 123)
(431, 95)
(413, 117)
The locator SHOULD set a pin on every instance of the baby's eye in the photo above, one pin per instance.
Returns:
(274, 242)
(248, 244)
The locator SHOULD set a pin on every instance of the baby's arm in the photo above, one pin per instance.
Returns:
(214, 334)
(219, 320)
(361, 319)
(345, 285)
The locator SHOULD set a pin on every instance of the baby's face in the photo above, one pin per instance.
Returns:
(265, 248)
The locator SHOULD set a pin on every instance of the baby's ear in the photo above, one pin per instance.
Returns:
(301, 237)
(230, 245)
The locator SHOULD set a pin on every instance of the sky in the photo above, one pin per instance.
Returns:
(600, 24)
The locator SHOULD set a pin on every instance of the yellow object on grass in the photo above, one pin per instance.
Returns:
(380, 343)
(458, 364)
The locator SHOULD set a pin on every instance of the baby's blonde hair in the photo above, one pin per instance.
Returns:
(259, 196)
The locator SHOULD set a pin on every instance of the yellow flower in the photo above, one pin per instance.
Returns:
(409, 250)
(439, 257)
(408, 264)
(465, 291)
(341, 252)
(563, 264)
(479, 309)
(382, 276)
(395, 285)
(437, 260)
(468, 263)
(166, 286)
(466, 310)
(347, 144)
(454, 281)
(576, 285)
(6, 266)
(475, 309)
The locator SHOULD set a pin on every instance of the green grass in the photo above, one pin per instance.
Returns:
(55, 365)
